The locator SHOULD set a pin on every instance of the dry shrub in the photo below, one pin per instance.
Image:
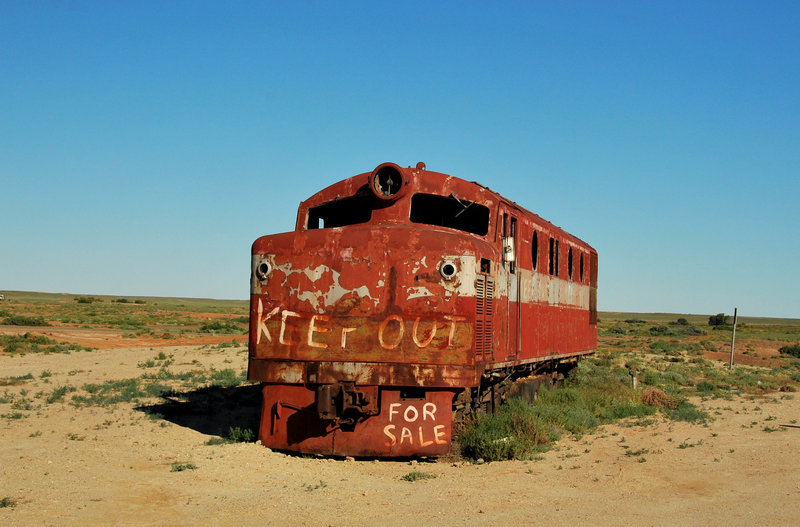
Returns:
(652, 396)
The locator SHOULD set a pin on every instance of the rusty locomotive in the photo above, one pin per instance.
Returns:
(403, 299)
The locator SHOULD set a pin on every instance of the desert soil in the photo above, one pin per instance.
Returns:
(64, 465)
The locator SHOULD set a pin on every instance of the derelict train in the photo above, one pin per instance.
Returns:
(403, 298)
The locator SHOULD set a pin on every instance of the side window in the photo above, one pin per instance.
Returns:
(552, 256)
(535, 250)
(581, 266)
(557, 253)
(513, 264)
(569, 263)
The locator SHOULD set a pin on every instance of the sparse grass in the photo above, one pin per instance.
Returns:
(320, 485)
(222, 326)
(416, 476)
(7, 502)
(597, 392)
(218, 441)
(15, 380)
(22, 320)
(180, 467)
(59, 393)
(240, 435)
(31, 343)
(686, 444)
(113, 392)
(161, 383)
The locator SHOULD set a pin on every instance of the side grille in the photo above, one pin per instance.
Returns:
(484, 310)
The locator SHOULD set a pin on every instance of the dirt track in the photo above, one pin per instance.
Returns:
(112, 465)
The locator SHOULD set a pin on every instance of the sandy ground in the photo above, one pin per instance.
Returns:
(112, 465)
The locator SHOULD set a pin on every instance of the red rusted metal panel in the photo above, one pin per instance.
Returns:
(404, 427)
(406, 281)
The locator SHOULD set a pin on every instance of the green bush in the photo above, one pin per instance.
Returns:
(240, 435)
(793, 350)
(718, 320)
(88, 299)
(706, 387)
(689, 330)
(686, 411)
(660, 330)
(514, 432)
(217, 326)
(20, 320)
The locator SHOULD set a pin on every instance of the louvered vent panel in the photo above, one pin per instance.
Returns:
(484, 293)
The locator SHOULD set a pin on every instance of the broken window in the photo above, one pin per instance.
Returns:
(451, 212)
(341, 212)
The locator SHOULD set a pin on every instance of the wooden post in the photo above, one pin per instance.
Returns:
(733, 337)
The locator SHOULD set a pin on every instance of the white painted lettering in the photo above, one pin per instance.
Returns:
(399, 337)
(312, 328)
(286, 314)
(392, 410)
(453, 321)
(345, 331)
(387, 430)
(422, 442)
(438, 434)
(406, 433)
(262, 326)
(428, 340)
(412, 419)
(428, 410)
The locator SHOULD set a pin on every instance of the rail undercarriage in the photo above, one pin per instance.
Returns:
(523, 381)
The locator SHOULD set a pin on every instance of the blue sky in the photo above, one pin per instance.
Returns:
(145, 145)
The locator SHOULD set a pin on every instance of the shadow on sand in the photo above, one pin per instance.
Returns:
(213, 410)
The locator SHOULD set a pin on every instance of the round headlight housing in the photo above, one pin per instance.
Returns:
(262, 270)
(448, 269)
(387, 181)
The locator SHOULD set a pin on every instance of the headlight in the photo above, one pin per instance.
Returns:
(387, 181)
(261, 267)
(447, 269)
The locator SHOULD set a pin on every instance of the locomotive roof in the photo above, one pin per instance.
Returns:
(421, 180)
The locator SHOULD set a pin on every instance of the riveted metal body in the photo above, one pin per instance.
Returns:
(399, 291)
